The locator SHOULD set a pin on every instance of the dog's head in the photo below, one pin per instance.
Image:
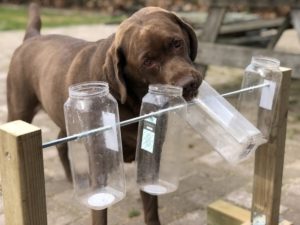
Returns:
(152, 46)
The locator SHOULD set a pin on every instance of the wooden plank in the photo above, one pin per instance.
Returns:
(284, 222)
(285, 25)
(237, 56)
(212, 24)
(254, 40)
(224, 213)
(22, 174)
(247, 223)
(295, 14)
(269, 160)
(250, 25)
(197, 19)
(251, 3)
(211, 29)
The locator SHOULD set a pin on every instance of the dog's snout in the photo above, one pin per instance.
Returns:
(185, 82)
(189, 85)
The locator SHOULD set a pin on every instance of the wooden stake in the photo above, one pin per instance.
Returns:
(22, 172)
(269, 159)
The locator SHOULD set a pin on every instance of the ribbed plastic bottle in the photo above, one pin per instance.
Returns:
(159, 142)
(96, 160)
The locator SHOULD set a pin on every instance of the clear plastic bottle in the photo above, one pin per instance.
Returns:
(260, 103)
(222, 126)
(159, 144)
(96, 160)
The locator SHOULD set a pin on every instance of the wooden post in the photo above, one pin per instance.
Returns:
(211, 29)
(22, 172)
(269, 159)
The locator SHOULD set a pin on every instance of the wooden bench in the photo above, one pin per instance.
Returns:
(212, 53)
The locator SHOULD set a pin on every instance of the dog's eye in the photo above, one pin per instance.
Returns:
(176, 43)
(148, 62)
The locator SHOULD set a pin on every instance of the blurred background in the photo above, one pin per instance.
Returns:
(116, 5)
(13, 13)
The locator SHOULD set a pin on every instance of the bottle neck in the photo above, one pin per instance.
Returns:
(165, 89)
(88, 90)
(266, 62)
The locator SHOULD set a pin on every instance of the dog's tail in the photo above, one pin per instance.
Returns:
(34, 22)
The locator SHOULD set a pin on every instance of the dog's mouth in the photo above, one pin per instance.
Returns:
(191, 91)
(190, 94)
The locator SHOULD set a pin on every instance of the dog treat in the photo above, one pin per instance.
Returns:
(260, 103)
(158, 145)
(96, 160)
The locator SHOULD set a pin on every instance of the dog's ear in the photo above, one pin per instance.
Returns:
(113, 69)
(192, 36)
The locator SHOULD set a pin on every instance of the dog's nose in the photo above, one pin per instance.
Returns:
(189, 85)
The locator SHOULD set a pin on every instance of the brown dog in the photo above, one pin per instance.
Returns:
(152, 46)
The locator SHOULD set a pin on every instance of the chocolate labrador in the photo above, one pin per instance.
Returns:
(152, 46)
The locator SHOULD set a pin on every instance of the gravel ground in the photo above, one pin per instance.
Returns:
(206, 177)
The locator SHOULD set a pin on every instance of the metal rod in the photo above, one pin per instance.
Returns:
(99, 129)
(245, 90)
(137, 119)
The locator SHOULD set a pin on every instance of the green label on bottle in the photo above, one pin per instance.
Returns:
(148, 137)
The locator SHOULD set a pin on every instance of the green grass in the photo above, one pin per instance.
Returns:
(134, 213)
(15, 17)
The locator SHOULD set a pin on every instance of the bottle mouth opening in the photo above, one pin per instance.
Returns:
(266, 61)
(88, 89)
(165, 89)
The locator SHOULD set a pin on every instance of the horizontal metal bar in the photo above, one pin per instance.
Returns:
(137, 119)
(96, 130)
(245, 90)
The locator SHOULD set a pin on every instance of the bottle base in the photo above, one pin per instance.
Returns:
(159, 188)
(101, 198)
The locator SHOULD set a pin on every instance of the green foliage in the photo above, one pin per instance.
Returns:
(15, 17)
(134, 213)
(12, 17)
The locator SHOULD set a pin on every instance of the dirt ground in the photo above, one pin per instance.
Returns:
(206, 177)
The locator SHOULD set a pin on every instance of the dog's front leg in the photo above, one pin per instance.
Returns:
(99, 217)
(63, 155)
(150, 204)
